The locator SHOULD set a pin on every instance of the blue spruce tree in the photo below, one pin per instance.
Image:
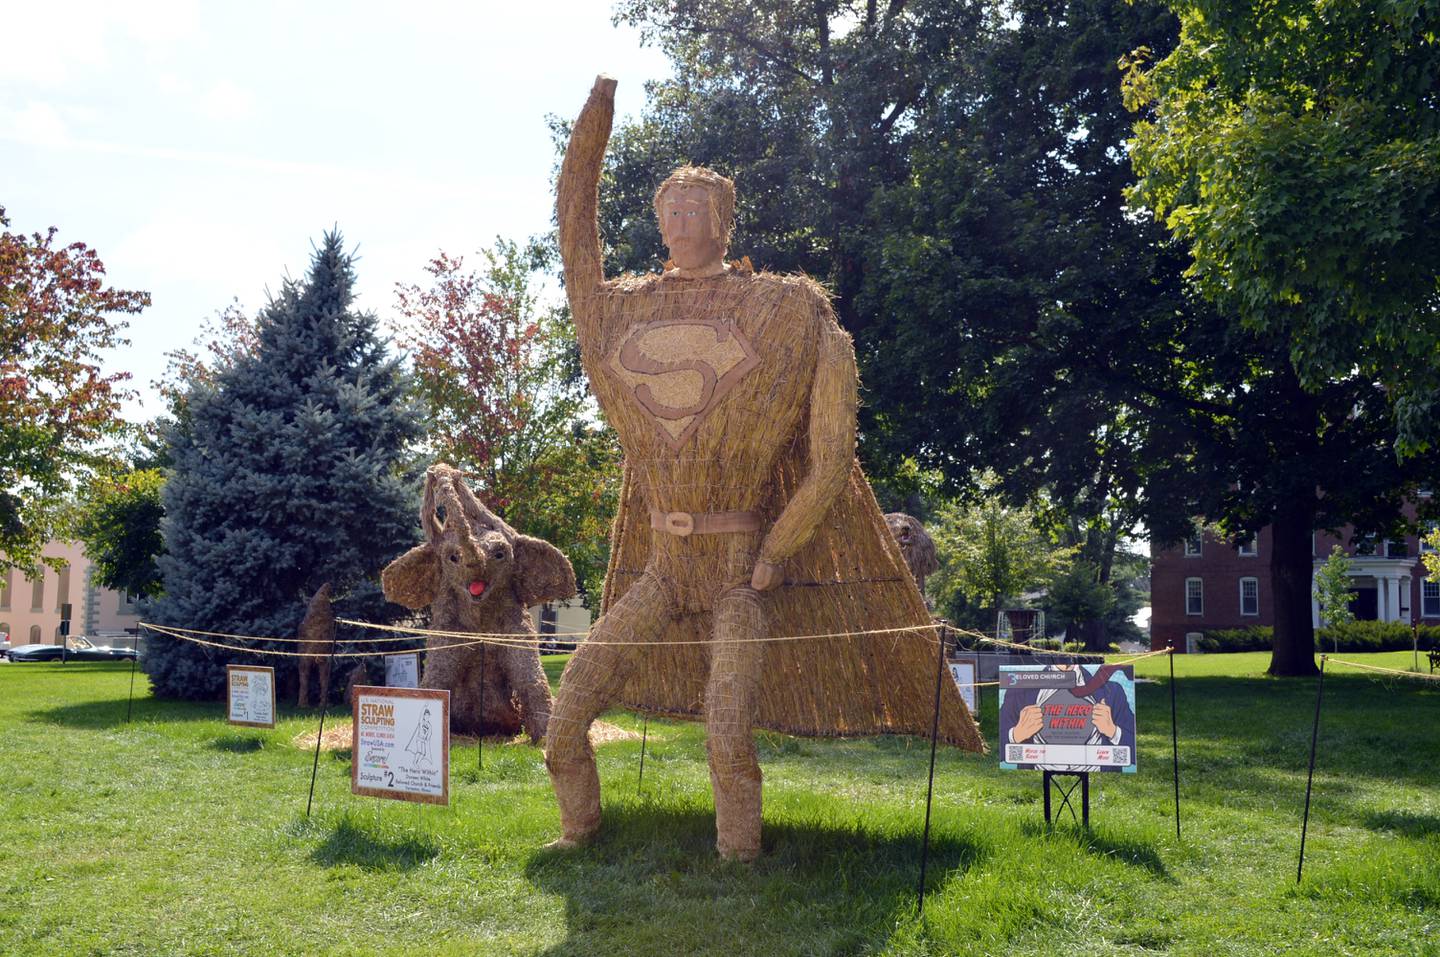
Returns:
(290, 470)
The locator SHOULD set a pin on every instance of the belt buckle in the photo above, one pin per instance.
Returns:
(679, 524)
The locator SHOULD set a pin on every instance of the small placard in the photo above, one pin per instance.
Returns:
(401, 744)
(1067, 717)
(402, 671)
(965, 670)
(251, 695)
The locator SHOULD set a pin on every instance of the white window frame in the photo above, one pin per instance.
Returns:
(1251, 548)
(1429, 604)
(1199, 546)
(1243, 612)
(1424, 531)
(1199, 596)
(1391, 553)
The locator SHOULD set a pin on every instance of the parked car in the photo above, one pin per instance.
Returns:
(76, 648)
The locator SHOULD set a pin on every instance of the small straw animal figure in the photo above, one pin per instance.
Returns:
(478, 575)
(916, 546)
(317, 641)
(743, 515)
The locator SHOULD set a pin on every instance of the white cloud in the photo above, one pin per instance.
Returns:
(227, 102)
(38, 124)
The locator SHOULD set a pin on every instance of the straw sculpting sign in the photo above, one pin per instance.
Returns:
(743, 513)
(317, 641)
(478, 575)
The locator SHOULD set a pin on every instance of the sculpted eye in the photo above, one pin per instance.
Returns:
(455, 557)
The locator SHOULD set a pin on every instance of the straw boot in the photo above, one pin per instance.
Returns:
(577, 790)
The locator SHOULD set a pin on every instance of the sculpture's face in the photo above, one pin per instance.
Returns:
(687, 223)
(475, 563)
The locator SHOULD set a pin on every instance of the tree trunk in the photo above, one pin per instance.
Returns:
(1094, 632)
(1291, 568)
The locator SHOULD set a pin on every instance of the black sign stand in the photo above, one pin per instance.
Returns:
(1082, 782)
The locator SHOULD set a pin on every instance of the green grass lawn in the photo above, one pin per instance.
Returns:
(178, 834)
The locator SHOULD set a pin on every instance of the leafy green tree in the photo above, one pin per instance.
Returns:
(292, 467)
(990, 553)
(1432, 557)
(119, 523)
(59, 413)
(499, 377)
(1332, 589)
(1075, 594)
(1293, 147)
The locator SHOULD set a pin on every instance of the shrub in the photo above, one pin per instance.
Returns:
(1354, 636)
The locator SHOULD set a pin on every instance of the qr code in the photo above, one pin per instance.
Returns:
(1014, 754)
(1122, 756)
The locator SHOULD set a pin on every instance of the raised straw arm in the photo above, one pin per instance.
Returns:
(577, 203)
(833, 401)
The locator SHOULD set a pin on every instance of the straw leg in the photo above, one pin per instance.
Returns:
(592, 681)
(730, 701)
(305, 666)
(522, 667)
(325, 668)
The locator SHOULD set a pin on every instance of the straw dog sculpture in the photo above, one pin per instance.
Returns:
(477, 574)
(916, 546)
(743, 513)
(317, 638)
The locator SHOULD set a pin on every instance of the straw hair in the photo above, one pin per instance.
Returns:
(493, 690)
(720, 189)
(733, 393)
(317, 639)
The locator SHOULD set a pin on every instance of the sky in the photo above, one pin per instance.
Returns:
(203, 148)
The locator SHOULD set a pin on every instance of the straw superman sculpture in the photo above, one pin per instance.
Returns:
(743, 517)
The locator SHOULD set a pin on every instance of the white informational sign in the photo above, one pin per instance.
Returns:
(965, 671)
(250, 695)
(402, 671)
(401, 744)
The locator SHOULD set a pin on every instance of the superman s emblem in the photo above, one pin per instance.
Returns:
(679, 370)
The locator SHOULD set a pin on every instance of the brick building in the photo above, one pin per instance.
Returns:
(1208, 583)
(31, 609)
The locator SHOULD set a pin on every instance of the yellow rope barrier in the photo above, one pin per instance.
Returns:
(1388, 671)
(162, 630)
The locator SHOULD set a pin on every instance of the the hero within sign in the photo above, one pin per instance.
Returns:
(1067, 717)
(401, 744)
(250, 695)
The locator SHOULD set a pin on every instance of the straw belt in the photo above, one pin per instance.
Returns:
(682, 524)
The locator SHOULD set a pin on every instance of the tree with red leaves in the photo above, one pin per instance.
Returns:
(499, 376)
(58, 410)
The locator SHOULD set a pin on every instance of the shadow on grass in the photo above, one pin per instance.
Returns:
(110, 713)
(819, 887)
(1406, 823)
(358, 844)
(237, 744)
(1135, 853)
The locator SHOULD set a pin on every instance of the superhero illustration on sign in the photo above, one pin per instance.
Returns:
(1067, 717)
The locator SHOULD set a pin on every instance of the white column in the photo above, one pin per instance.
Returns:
(1393, 591)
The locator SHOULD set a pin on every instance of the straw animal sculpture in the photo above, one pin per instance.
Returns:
(743, 513)
(317, 638)
(916, 546)
(478, 574)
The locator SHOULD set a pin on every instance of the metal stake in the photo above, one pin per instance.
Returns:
(319, 736)
(1310, 779)
(930, 787)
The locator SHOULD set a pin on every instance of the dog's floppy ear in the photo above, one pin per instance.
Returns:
(413, 578)
(542, 573)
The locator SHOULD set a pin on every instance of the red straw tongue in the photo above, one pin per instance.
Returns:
(477, 588)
